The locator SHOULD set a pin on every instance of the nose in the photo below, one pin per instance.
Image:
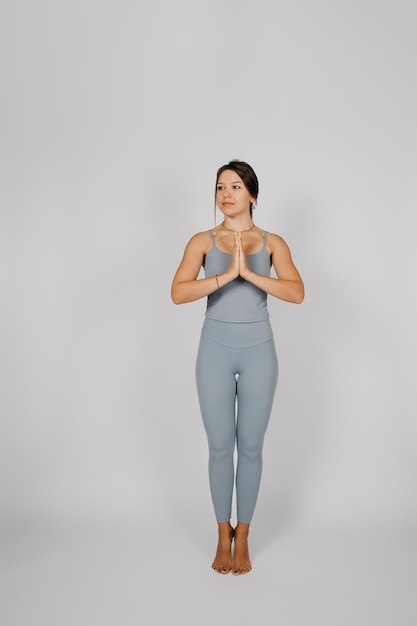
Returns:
(226, 193)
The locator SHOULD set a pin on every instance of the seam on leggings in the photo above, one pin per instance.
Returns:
(224, 345)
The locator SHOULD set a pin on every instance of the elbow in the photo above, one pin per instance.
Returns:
(299, 297)
(175, 297)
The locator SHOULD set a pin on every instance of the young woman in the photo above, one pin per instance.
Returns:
(237, 367)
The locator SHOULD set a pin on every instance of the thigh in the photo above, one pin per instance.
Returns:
(258, 376)
(216, 387)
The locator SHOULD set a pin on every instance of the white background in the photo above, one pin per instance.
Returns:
(115, 117)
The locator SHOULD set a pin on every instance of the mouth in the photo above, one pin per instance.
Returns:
(227, 203)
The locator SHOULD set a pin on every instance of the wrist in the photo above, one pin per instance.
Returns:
(221, 280)
(227, 277)
(248, 275)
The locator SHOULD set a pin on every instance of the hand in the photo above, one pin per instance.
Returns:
(244, 269)
(233, 270)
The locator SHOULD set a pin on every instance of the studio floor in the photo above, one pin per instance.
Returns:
(128, 573)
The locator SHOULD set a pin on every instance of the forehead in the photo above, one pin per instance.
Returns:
(229, 176)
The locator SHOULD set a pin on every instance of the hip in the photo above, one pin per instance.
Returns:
(237, 334)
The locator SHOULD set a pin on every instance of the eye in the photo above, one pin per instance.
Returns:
(236, 186)
(220, 187)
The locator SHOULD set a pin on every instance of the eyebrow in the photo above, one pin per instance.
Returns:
(239, 182)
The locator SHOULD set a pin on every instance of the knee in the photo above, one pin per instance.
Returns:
(250, 448)
(220, 450)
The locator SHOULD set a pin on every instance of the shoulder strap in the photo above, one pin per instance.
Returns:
(212, 238)
(265, 234)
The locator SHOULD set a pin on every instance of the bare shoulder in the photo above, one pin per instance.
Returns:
(276, 244)
(202, 236)
(193, 256)
(282, 258)
(200, 242)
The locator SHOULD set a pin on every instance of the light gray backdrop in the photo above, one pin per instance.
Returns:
(115, 117)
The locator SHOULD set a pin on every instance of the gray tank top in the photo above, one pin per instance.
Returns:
(239, 300)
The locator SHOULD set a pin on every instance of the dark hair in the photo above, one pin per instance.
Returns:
(246, 173)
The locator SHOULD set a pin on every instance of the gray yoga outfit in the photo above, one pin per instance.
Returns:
(236, 373)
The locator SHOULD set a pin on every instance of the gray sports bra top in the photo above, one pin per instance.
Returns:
(239, 300)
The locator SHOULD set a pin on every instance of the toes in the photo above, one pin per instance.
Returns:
(220, 570)
(240, 572)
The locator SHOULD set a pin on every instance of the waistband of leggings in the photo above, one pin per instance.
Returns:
(237, 334)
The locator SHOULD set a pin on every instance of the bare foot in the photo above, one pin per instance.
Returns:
(241, 561)
(223, 560)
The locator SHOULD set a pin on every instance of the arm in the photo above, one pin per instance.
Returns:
(288, 286)
(185, 286)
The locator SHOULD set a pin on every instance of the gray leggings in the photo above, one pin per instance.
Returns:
(237, 373)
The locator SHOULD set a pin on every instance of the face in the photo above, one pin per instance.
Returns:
(232, 197)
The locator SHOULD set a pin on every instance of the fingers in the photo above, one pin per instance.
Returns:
(237, 245)
(240, 244)
(235, 258)
(243, 262)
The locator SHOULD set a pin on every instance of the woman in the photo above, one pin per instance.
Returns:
(237, 368)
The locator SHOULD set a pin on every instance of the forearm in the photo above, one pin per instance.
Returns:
(288, 290)
(190, 290)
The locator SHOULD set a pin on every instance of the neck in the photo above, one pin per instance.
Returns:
(238, 227)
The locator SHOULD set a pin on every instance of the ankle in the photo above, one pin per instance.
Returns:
(225, 529)
(241, 530)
